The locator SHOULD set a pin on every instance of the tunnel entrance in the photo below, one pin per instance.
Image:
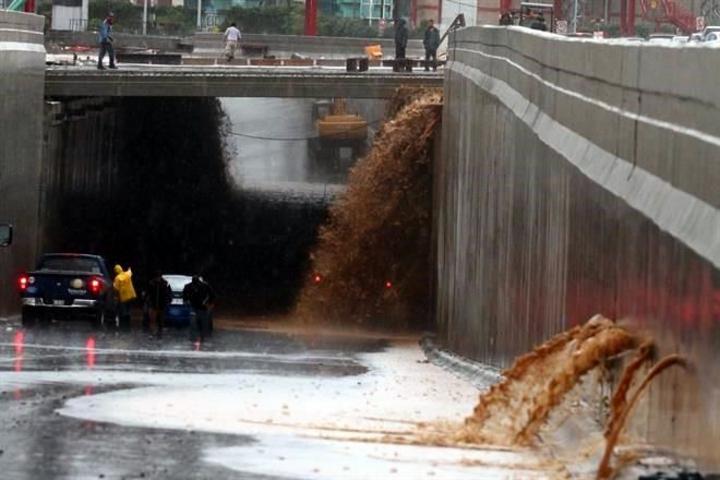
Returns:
(222, 188)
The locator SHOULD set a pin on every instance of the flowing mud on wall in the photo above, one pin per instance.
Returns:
(516, 412)
(371, 264)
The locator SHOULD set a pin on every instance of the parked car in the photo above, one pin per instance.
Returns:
(707, 31)
(178, 313)
(712, 39)
(67, 285)
(661, 38)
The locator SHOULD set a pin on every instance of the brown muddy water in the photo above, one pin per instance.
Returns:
(371, 262)
(515, 413)
(370, 267)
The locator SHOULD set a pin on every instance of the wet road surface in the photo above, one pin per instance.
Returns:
(253, 404)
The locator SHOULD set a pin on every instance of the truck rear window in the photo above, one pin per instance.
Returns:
(71, 264)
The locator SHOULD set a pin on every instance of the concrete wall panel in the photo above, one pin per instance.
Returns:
(576, 179)
(22, 67)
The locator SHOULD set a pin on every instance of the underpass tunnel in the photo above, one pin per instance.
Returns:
(226, 188)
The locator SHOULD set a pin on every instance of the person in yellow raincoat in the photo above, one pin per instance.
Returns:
(125, 293)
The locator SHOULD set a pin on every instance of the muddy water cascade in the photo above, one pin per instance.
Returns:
(371, 265)
(512, 411)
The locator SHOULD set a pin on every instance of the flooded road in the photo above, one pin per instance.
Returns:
(253, 403)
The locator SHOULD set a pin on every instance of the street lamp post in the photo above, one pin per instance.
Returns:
(145, 5)
(574, 19)
(199, 15)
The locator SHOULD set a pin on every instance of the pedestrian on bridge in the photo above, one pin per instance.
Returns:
(106, 42)
(431, 42)
(539, 23)
(401, 38)
(232, 38)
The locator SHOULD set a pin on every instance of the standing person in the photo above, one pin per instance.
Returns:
(232, 37)
(539, 23)
(125, 293)
(506, 19)
(401, 38)
(431, 42)
(158, 297)
(106, 42)
(201, 297)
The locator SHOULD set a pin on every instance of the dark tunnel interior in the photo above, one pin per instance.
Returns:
(173, 206)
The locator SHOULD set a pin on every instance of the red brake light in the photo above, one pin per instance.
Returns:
(22, 282)
(388, 284)
(317, 278)
(95, 285)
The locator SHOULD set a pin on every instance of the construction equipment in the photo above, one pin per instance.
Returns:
(338, 124)
(341, 136)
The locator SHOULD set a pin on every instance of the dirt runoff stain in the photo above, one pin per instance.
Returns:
(512, 411)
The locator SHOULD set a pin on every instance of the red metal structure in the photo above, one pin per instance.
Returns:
(311, 17)
(657, 11)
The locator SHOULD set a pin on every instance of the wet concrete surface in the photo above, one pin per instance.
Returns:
(257, 401)
(37, 442)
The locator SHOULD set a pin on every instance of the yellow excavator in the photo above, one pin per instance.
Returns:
(341, 136)
(338, 124)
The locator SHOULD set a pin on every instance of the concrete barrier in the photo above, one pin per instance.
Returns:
(580, 177)
(329, 47)
(22, 83)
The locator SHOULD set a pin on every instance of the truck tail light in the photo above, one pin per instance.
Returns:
(22, 282)
(95, 285)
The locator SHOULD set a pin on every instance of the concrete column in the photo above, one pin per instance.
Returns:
(22, 83)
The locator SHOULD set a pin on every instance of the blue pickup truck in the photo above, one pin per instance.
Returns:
(67, 285)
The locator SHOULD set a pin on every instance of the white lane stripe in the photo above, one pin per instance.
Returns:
(654, 197)
(691, 132)
(21, 47)
(180, 353)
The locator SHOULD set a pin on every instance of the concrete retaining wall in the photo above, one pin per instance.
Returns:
(22, 69)
(80, 162)
(580, 177)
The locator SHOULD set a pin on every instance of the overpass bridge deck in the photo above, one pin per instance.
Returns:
(230, 81)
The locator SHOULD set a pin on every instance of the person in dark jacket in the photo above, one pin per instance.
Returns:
(106, 42)
(539, 23)
(401, 38)
(506, 19)
(201, 297)
(431, 42)
(157, 297)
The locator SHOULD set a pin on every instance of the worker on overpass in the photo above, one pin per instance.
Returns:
(431, 42)
(401, 38)
(232, 38)
(539, 23)
(106, 42)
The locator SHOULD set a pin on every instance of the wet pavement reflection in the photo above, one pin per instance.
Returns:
(43, 367)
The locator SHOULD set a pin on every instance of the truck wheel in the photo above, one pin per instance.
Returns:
(99, 318)
(29, 317)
